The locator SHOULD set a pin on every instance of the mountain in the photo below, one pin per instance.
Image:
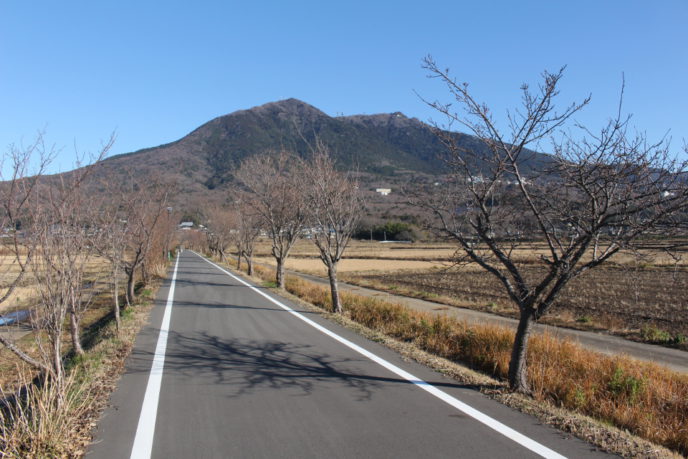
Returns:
(378, 144)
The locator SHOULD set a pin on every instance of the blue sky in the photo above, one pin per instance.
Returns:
(154, 71)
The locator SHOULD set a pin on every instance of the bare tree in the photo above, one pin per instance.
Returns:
(55, 237)
(168, 230)
(111, 243)
(334, 209)
(164, 229)
(248, 229)
(222, 229)
(275, 192)
(194, 240)
(598, 194)
(18, 196)
(110, 239)
(64, 221)
(145, 205)
(238, 225)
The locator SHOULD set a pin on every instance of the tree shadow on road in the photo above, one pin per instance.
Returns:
(227, 305)
(248, 366)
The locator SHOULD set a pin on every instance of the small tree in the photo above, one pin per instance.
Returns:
(222, 229)
(164, 230)
(595, 196)
(54, 245)
(18, 201)
(110, 242)
(334, 209)
(146, 204)
(248, 228)
(275, 192)
(64, 221)
(110, 238)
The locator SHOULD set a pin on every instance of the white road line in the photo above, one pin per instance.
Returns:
(466, 409)
(143, 442)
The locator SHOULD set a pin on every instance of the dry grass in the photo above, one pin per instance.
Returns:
(445, 252)
(25, 295)
(40, 422)
(645, 304)
(643, 398)
(315, 266)
(639, 296)
(32, 428)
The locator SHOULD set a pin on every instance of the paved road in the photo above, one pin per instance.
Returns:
(244, 376)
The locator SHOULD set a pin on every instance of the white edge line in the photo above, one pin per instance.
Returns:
(143, 441)
(459, 405)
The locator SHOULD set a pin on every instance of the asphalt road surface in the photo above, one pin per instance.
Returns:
(226, 369)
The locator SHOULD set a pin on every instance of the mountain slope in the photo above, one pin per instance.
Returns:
(376, 144)
(371, 143)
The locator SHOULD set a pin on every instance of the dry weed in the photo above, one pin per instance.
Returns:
(40, 419)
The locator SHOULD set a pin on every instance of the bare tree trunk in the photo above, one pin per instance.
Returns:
(118, 319)
(249, 262)
(279, 273)
(144, 272)
(74, 331)
(57, 369)
(239, 261)
(334, 288)
(130, 285)
(518, 377)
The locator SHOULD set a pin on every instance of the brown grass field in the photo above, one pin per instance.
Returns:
(26, 296)
(640, 296)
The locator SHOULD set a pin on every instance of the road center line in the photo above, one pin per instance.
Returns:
(143, 442)
(459, 405)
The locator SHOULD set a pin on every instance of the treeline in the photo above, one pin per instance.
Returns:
(287, 197)
(69, 244)
(388, 231)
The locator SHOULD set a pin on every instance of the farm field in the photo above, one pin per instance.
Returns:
(639, 296)
(315, 266)
(26, 295)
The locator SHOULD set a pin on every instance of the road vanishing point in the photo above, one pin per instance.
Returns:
(228, 369)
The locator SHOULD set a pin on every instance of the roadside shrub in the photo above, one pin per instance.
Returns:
(655, 335)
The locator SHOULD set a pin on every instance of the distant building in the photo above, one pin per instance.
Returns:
(383, 191)
(186, 225)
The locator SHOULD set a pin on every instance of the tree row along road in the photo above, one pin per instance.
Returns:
(227, 369)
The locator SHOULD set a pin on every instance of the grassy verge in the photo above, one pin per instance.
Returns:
(43, 424)
(572, 386)
(650, 312)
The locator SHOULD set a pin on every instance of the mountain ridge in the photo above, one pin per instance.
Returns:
(381, 145)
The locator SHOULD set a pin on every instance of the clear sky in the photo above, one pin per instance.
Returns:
(154, 71)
